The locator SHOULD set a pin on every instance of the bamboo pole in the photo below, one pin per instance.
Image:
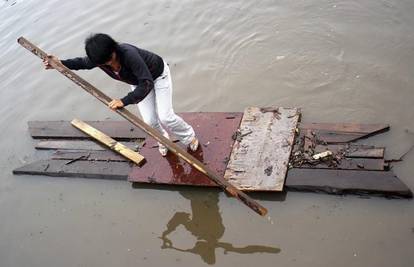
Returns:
(177, 150)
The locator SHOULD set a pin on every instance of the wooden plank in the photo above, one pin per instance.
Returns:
(119, 130)
(337, 137)
(76, 145)
(81, 169)
(333, 133)
(353, 151)
(383, 183)
(88, 155)
(260, 156)
(109, 142)
(367, 164)
(378, 183)
(225, 185)
(346, 127)
(123, 130)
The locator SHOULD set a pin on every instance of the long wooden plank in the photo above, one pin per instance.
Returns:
(383, 183)
(225, 185)
(367, 164)
(260, 156)
(379, 183)
(346, 127)
(88, 155)
(76, 145)
(119, 130)
(353, 151)
(123, 130)
(333, 133)
(80, 169)
(109, 142)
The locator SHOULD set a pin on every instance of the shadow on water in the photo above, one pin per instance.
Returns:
(204, 223)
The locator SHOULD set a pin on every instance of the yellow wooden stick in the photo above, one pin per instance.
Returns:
(108, 141)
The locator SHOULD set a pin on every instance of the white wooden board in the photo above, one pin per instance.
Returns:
(260, 157)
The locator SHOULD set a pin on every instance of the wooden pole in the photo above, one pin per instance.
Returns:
(180, 152)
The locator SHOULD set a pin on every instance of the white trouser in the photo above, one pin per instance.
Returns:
(156, 109)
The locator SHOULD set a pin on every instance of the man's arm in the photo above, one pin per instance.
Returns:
(79, 63)
(140, 92)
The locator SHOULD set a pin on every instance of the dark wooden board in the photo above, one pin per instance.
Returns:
(383, 183)
(88, 155)
(367, 164)
(337, 137)
(378, 183)
(81, 169)
(346, 127)
(119, 130)
(353, 151)
(76, 145)
(124, 130)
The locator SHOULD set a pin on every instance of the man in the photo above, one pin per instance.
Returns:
(150, 80)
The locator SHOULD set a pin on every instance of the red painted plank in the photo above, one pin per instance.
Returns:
(214, 130)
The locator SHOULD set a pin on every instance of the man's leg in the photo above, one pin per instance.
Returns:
(148, 109)
(163, 97)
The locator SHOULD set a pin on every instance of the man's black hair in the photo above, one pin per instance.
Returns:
(99, 48)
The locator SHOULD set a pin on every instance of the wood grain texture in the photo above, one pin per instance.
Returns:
(260, 157)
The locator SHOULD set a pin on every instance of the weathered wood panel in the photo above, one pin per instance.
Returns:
(383, 183)
(109, 142)
(261, 152)
(76, 145)
(119, 130)
(81, 169)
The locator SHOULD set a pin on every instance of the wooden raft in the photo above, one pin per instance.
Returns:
(262, 147)
(354, 169)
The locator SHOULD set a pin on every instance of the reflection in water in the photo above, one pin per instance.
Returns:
(205, 223)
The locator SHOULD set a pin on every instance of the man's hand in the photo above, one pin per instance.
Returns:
(116, 103)
(46, 61)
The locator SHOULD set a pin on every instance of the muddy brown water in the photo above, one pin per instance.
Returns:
(340, 61)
